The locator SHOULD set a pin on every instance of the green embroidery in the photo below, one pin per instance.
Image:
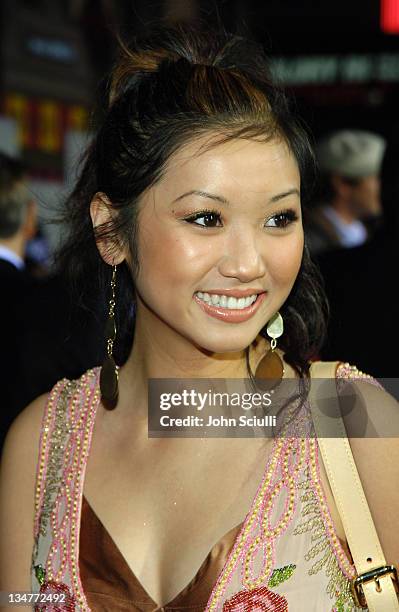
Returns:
(280, 574)
(340, 604)
(320, 552)
(40, 574)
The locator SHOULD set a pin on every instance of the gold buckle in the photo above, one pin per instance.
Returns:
(374, 574)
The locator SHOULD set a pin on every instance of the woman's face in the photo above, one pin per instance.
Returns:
(227, 219)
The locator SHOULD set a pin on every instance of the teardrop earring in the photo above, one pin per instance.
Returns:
(271, 366)
(109, 370)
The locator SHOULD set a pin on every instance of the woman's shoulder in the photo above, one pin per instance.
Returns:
(24, 434)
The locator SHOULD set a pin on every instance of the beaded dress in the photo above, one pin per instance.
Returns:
(285, 555)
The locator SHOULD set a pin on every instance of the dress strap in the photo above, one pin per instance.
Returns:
(64, 449)
(348, 491)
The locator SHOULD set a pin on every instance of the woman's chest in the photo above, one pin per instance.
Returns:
(166, 505)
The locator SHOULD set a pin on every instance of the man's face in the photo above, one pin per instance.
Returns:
(365, 197)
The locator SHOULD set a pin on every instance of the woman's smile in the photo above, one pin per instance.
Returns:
(230, 309)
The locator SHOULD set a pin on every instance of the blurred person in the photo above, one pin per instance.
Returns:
(18, 215)
(363, 302)
(187, 221)
(42, 330)
(349, 202)
(18, 222)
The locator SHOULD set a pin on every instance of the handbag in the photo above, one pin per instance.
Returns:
(376, 585)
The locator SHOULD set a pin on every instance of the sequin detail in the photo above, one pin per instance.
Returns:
(65, 441)
(51, 588)
(281, 574)
(325, 551)
(261, 599)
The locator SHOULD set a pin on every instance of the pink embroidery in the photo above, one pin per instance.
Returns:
(62, 563)
(55, 591)
(258, 532)
(284, 481)
(256, 600)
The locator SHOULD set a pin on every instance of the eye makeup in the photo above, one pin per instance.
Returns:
(288, 215)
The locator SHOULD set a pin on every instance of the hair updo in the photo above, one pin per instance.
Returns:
(167, 88)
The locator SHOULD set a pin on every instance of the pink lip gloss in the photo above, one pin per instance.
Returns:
(230, 315)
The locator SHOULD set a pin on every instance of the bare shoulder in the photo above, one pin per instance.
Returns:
(371, 416)
(17, 485)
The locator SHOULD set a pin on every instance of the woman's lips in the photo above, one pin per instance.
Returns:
(229, 315)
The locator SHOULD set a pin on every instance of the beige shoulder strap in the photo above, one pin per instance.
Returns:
(375, 582)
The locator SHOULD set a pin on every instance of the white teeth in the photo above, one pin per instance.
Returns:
(227, 301)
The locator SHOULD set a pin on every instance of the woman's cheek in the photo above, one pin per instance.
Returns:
(284, 264)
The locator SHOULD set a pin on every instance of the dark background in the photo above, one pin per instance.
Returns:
(332, 56)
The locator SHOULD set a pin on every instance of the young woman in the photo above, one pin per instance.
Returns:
(191, 194)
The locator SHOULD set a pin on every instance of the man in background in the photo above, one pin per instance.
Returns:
(18, 223)
(360, 284)
(44, 336)
(18, 218)
(349, 201)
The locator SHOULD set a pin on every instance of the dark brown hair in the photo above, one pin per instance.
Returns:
(168, 87)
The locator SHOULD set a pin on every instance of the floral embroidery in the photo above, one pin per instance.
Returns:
(281, 574)
(55, 591)
(259, 600)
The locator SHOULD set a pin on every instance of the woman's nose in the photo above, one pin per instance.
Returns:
(243, 258)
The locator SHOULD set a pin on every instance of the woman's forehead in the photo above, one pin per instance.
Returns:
(246, 162)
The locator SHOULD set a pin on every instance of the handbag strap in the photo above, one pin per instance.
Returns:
(374, 585)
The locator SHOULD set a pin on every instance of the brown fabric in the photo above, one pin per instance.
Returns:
(110, 585)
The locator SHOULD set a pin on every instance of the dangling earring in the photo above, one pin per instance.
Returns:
(271, 366)
(109, 371)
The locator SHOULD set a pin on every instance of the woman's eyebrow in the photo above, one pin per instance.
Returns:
(223, 200)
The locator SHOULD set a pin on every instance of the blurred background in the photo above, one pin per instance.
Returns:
(338, 59)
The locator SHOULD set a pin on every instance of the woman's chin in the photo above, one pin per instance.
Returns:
(224, 346)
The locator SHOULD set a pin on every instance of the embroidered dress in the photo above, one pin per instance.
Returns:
(286, 556)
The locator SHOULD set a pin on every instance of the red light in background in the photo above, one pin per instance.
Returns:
(390, 16)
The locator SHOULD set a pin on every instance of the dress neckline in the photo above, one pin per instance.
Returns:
(131, 576)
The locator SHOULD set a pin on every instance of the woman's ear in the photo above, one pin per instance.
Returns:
(101, 212)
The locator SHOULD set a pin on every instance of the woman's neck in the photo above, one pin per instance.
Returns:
(153, 356)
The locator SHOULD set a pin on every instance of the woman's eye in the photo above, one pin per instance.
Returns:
(210, 216)
(283, 219)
